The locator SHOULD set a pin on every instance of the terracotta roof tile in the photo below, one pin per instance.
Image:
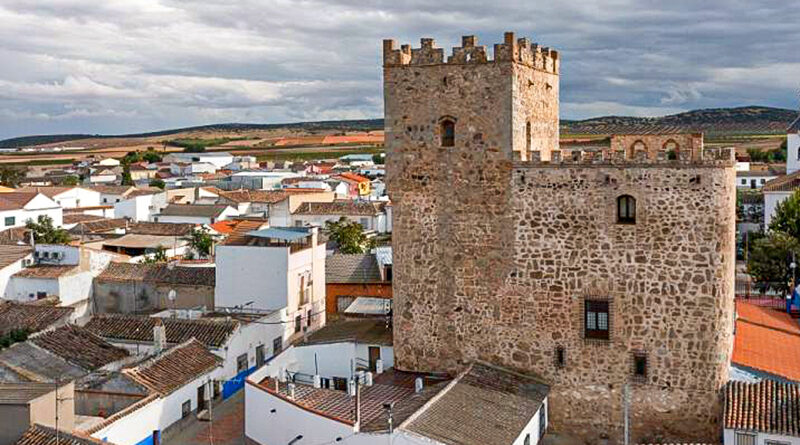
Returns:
(767, 317)
(261, 196)
(10, 254)
(207, 211)
(139, 328)
(102, 225)
(15, 200)
(79, 346)
(30, 316)
(239, 234)
(767, 406)
(45, 272)
(159, 273)
(786, 183)
(75, 218)
(355, 268)
(175, 367)
(42, 435)
(161, 229)
(755, 345)
(353, 208)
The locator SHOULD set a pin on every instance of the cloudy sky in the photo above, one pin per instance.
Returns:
(119, 66)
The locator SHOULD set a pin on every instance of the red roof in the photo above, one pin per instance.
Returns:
(354, 177)
(760, 334)
(225, 226)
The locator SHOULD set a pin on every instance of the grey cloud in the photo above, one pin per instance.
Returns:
(121, 66)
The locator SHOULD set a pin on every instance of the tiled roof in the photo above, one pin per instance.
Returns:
(767, 407)
(767, 317)
(15, 393)
(45, 272)
(26, 362)
(79, 346)
(338, 405)
(159, 273)
(32, 317)
(142, 191)
(14, 236)
(239, 235)
(136, 241)
(352, 208)
(111, 189)
(786, 183)
(261, 196)
(226, 226)
(175, 367)
(204, 211)
(162, 229)
(486, 404)
(353, 177)
(42, 435)
(361, 330)
(50, 192)
(15, 200)
(139, 328)
(75, 218)
(98, 226)
(756, 341)
(356, 268)
(11, 254)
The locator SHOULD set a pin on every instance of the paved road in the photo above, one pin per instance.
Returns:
(227, 427)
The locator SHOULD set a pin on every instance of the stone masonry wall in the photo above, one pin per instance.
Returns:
(686, 144)
(494, 255)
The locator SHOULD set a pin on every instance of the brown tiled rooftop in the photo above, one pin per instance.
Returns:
(163, 229)
(42, 435)
(767, 406)
(786, 183)
(79, 346)
(260, 196)
(75, 218)
(10, 254)
(139, 328)
(345, 207)
(159, 273)
(239, 234)
(363, 330)
(31, 317)
(101, 225)
(759, 333)
(175, 367)
(45, 272)
(15, 200)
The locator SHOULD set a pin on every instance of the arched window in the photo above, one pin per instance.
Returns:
(672, 148)
(626, 209)
(448, 132)
(636, 147)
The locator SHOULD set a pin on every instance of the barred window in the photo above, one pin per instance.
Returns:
(596, 322)
(626, 209)
(448, 133)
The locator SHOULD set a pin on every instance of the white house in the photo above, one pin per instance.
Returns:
(16, 208)
(761, 413)
(369, 214)
(141, 204)
(793, 147)
(107, 162)
(195, 213)
(180, 380)
(332, 388)
(69, 197)
(780, 188)
(278, 268)
(192, 168)
(219, 159)
(102, 176)
(12, 260)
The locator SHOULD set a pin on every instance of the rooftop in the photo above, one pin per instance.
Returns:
(79, 346)
(767, 406)
(26, 362)
(32, 317)
(238, 237)
(161, 229)
(261, 196)
(355, 268)
(359, 330)
(10, 254)
(135, 241)
(16, 200)
(45, 272)
(759, 333)
(174, 368)
(192, 210)
(17, 393)
(159, 273)
(786, 183)
(42, 435)
(344, 207)
(139, 328)
(101, 225)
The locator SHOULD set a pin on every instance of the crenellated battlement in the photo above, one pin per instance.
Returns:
(713, 157)
(520, 51)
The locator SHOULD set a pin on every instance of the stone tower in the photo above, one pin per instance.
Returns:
(595, 270)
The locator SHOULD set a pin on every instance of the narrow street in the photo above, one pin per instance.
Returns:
(226, 427)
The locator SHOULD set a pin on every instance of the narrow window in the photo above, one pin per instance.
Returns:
(298, 323)
(241, 363)
(448, 133)
(596, 319)
(308, 318)
(527, 439)
(640, 366)
(626, 209)
(528, 136)
(745, 439)
(186, 408)
(560, 356)
(277, 345)
(542, 420)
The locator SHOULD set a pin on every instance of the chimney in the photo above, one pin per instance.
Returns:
(418, 385)
(159, 336)
(291, 391)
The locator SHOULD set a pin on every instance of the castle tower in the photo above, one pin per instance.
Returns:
(597, 271)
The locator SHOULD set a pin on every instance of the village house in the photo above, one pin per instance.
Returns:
(195, 213)
(13, 258)
(356, 186)
(140, 204)
(274, 268)
(134, 288)
(17, 208)
(761, 413)
(217, 158)
(371, 215)
(359, 279)
(761, 331)
(340, 384)
(103, 176)
(32, 318)
(25, 406)
(68, 197)
(43, 435)
(756, 176)
(780, 188)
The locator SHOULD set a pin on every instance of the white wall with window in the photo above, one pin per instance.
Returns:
(734, 437)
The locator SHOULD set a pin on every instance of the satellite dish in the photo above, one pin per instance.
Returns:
(172, 294)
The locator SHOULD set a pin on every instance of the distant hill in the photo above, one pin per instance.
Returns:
(713, 121)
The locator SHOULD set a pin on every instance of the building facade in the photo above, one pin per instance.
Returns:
(598, 271)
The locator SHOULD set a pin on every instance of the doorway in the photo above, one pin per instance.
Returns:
(374, 356)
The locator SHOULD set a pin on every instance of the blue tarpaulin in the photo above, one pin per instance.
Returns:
(230, 387)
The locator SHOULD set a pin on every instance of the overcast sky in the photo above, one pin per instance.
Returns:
(119, 66)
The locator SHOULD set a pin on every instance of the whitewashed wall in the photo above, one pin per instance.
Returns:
(771, 201)
(729, 438)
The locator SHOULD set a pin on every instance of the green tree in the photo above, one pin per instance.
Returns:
(348, 235)
(378, 158)
(11, 176)
(159, 256)
(127, 179)
(155, 182)
(787, 216)
(151, 156)
(71, 180)
(200, 241)
(769, 261)
(44, 232)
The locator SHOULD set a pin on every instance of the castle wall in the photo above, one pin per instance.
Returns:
(497, 248)
(690, 144)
